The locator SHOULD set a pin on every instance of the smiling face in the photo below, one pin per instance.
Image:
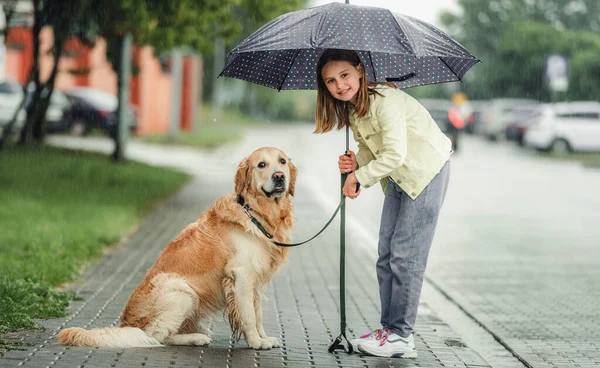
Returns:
(267, 171)
(342, 80)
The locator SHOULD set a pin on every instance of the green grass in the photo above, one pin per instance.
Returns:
(211, 131)
(58, 210)
(591, 159)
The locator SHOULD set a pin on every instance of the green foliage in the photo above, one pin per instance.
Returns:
(258, 12)
(513, 38)
(518, 68)
(280, 106)
(211, 131)
(23, 300)
(481, 23)
(250, 15)
(590, 159)
(59, 209)
(168, 24)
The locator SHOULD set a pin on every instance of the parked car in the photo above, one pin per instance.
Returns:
(566, 127)
(519, 121)
(95, 109)
(438, 109)
(475, 117)
(495, 117)
(58, 114)
(11, 96)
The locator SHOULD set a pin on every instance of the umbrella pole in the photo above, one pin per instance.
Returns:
(337, 344)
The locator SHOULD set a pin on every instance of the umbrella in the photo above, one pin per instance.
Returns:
(396, 48)
(283, 54)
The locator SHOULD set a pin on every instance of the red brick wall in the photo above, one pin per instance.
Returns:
(150, 89)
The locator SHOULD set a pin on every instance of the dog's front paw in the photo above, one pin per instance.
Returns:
(262, 344)
(199, 339)
(274, 341)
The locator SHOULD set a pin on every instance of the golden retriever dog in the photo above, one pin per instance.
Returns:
(219, 264)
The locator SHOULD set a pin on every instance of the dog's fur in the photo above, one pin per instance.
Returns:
(220, 263)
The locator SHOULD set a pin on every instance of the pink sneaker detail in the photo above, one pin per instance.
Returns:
(375, 333)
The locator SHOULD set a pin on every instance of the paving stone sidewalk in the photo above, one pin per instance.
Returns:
(301, 306)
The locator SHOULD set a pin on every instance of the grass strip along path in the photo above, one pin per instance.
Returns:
(212, 132)
(58, 210)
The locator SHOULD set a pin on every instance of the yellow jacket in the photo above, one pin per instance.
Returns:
(398, 139)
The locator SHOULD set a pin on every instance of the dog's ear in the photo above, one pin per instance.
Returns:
(242, 176)
(293, 173)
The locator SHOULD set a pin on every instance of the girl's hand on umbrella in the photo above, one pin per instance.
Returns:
(347, 164)
(349, 188)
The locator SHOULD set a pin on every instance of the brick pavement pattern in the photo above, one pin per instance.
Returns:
(301, 306)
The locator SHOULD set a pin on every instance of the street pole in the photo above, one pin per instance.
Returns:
(218, 64)
(176, 77)
(122, 130)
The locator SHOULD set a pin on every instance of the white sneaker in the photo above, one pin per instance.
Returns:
(366, 337)
(389, 345)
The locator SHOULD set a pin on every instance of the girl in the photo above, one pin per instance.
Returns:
(400, 146)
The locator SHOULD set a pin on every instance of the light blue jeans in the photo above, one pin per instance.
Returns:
(405, 237)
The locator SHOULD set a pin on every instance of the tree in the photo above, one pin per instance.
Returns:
(45, 14)
(480, 24)
(253, 15)
(522, 52)
(161, 24)
(513, 51)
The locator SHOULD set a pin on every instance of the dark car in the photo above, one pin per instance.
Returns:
(93, 109)
(519, 121)
(438, 109)
(58, 114)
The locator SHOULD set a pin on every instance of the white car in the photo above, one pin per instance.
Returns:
(566, 127)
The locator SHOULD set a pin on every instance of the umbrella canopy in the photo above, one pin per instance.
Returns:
(396, 48)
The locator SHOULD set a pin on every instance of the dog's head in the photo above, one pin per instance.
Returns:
(267, 171)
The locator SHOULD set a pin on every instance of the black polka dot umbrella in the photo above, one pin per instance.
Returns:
(395, 48)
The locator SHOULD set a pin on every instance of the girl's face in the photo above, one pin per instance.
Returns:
(342, 80)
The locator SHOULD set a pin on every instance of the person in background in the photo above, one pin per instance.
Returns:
(456, 124)
(401, 147)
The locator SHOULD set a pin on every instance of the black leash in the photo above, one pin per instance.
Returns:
(262, 229)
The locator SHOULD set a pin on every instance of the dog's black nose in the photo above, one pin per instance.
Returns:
(278, 176)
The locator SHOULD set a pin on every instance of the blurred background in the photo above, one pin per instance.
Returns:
(537, 84)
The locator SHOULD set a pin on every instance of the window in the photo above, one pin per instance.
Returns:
(6, 87)
(580, 115)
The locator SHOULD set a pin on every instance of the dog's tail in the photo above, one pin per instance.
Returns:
(115, 337)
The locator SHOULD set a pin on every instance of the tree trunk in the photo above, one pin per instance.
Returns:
(39, 114)
(123, 75)
(26, 136)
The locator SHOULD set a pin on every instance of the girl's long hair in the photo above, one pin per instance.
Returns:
(329, 109)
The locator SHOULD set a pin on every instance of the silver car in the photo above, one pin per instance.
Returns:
(497, 115)
(11, 96)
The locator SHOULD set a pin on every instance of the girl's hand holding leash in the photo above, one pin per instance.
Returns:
(351, 186)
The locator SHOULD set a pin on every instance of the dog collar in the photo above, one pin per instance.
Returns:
(239, 199)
